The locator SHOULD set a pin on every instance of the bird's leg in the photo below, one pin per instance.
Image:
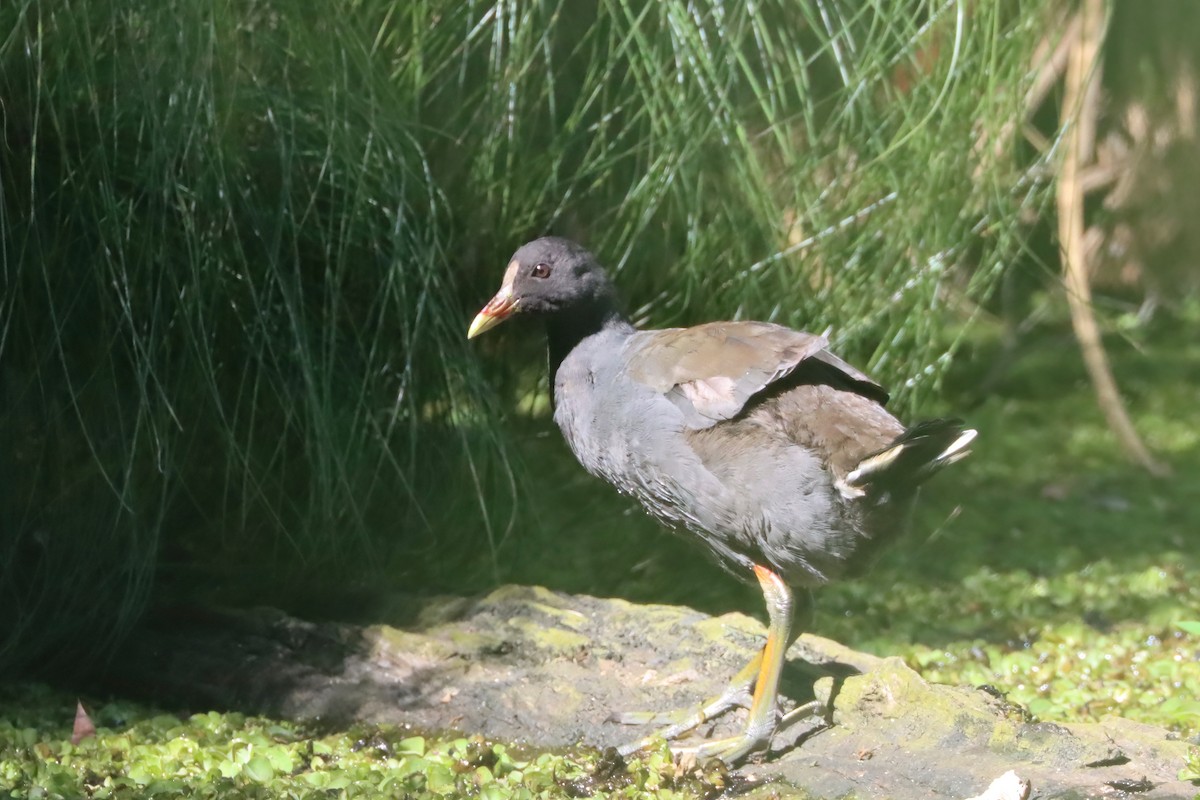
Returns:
(763, 718)
(764, 711)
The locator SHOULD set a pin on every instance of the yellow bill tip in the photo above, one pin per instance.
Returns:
(498, 309)
(482, 322)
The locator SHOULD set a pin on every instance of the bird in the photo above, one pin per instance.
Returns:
(756, 438)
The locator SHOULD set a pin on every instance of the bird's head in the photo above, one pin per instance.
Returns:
(547, 277)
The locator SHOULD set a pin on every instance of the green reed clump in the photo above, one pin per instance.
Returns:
(240, 242)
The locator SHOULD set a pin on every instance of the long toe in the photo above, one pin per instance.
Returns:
(731, 750)
(681, 720)
(736, 695)
(814, 708)
(648, 717)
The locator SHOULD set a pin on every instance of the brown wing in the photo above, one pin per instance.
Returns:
(711, 371)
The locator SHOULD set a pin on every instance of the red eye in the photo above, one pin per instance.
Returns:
(540, 270)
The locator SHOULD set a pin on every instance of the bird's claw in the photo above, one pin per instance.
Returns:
(731, 749)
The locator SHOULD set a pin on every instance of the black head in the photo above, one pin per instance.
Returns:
(548, 277)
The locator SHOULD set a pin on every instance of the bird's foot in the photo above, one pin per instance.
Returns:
(682, 720)
(732, 749)
(736, 695)
(813, 708)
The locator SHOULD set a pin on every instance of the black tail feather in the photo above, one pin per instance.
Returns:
(914, 456)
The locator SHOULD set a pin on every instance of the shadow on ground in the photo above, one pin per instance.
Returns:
(530, 665)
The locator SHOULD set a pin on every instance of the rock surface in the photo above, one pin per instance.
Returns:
(528, 664)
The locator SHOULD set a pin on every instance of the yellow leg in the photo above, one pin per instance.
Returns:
(764, 711)
(765, 670)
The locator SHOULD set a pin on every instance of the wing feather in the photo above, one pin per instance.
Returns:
(712, 371)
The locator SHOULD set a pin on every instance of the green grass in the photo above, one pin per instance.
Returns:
(240, 243)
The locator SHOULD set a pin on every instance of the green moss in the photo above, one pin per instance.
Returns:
(387, 641)
(140, 752)
(554, 640)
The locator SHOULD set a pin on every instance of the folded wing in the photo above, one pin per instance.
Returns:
(711, 372)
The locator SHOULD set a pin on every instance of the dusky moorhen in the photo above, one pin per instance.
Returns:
(778, 454)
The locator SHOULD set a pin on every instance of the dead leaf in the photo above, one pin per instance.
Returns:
(84, 729)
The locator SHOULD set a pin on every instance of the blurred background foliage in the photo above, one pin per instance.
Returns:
(240, 243)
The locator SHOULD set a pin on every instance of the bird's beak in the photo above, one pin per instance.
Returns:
(499, 308)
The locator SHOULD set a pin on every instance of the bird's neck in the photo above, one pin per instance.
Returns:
(567, 330)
